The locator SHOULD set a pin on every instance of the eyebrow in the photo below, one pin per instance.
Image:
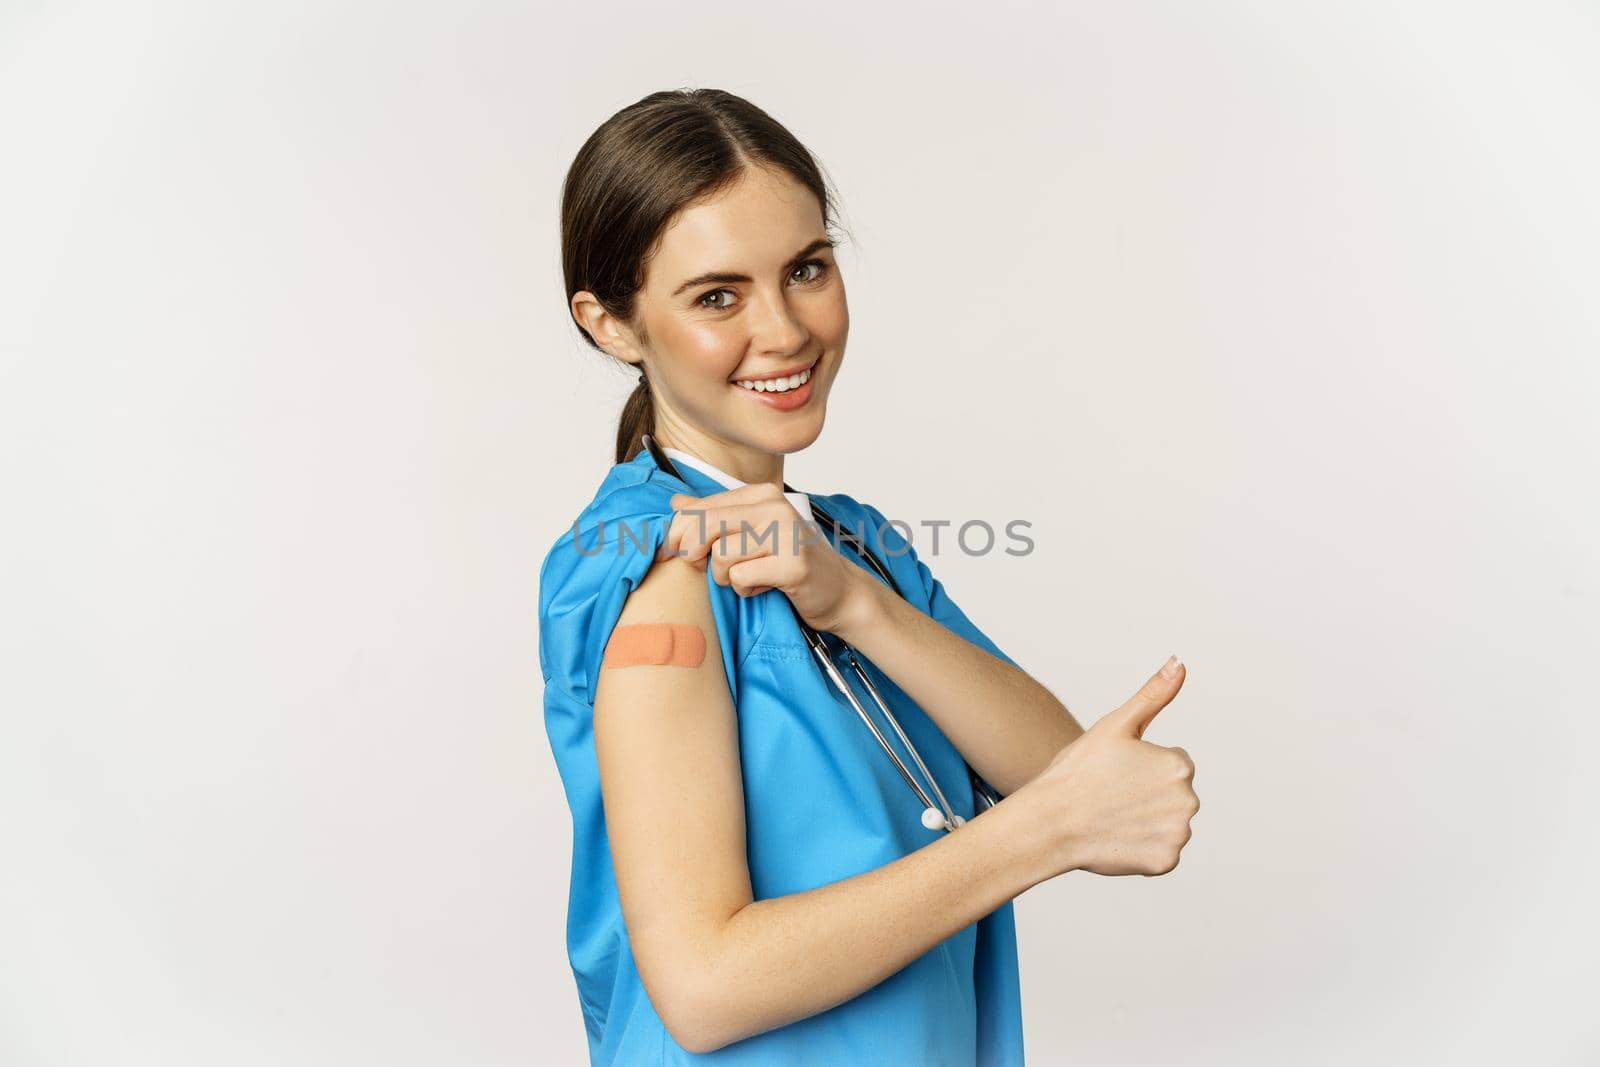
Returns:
(728, 276)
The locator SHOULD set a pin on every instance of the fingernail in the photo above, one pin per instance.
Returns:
(1169, 669)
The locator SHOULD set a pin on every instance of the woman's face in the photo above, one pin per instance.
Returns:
(744, 287)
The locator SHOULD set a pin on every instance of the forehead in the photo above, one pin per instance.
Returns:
(758, 222)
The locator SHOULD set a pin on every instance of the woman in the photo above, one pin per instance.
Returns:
(752, 881)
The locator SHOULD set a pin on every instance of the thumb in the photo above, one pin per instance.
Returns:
(1135, 714)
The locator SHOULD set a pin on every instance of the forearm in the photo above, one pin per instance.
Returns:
(1006, 724)
(786, 958)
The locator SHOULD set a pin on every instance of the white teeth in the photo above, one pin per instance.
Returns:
(779, 385)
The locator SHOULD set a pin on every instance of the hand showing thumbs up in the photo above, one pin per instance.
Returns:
(1111, 802)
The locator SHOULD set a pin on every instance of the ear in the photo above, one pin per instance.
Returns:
(609, 332)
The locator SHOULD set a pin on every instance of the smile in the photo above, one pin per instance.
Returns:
(783, 394)
(779, 385)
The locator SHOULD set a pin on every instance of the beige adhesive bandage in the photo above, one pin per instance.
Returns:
(670, 644)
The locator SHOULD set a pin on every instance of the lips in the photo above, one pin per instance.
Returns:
(812, 366)
(786, 401)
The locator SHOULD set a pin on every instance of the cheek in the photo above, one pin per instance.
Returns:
(711, 354)
(699, 347)
(832, 322)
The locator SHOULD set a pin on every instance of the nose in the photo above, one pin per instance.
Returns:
(775, 327)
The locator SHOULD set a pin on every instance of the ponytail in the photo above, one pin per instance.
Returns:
(638, 418)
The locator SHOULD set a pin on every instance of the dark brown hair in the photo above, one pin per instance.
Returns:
(639, 169)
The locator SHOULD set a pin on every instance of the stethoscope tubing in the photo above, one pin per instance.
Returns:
(951, 819)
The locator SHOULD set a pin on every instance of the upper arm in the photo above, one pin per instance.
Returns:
(667, 743)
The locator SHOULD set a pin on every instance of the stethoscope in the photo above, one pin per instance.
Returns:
(934, 817)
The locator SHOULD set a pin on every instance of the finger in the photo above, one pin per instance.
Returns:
(688, 536)
(689, 531)
(697, 532)
(1135, 714)
(740, 546)
(1189, 760)
(739, 495)
(731, 502)
(672, 541)
(752, 576)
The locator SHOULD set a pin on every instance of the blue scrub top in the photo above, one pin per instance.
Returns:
(822, 800)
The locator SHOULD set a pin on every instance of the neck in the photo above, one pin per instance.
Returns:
(743, 462)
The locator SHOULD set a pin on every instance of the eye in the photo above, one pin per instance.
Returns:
(821, 273)
(822, 268)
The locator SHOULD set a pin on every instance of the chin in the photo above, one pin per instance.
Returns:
(783, 440)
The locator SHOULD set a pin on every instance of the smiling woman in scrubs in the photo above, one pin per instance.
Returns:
(751, 879)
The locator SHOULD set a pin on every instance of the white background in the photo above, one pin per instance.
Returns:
(1277, 320)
